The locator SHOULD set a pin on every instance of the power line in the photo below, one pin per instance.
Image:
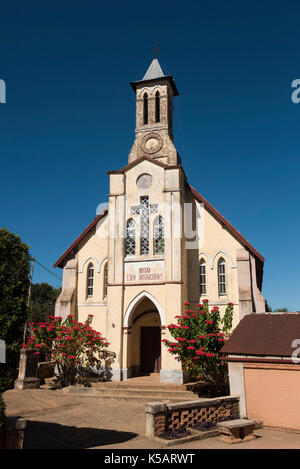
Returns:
(49, 271)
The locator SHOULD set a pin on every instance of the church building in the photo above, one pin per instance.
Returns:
(158, 244)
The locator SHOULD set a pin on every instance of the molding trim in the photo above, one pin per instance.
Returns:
(136, 301)
(92, 304)
(80, 270)
(211, 260)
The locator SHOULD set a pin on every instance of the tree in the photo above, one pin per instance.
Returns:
(14, 285)
(42, 301)
(199, 336)
(75, 348)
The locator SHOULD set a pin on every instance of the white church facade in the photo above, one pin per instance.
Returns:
(157, 245)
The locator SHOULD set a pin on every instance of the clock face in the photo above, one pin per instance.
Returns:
(144, 181)
(152, 143)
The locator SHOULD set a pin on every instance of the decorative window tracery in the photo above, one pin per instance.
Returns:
(144, 212)
(130, 248)
(159, 235)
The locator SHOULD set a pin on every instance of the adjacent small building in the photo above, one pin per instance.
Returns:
(264, 368)
(158, 244)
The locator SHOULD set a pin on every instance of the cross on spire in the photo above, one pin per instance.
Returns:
(156, 50)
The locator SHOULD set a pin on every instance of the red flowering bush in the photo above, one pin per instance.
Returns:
(199, 336)
(73, 347)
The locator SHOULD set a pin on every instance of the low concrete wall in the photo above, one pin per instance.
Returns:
(13, 433)
(161, 417)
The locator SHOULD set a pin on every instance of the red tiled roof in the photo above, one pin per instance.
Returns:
(226, 223)
(59, 262)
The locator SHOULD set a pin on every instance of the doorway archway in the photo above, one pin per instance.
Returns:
(144, 340)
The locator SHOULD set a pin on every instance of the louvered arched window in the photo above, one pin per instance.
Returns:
(157, 107)
(222, 277)
(90, 280)
(159, 235)
(145, 109)
(202, 277)
(130, 247)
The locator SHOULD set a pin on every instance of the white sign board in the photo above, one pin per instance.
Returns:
(144, 272)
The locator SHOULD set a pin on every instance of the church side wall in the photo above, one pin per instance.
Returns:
(93, 250)
(215, 243)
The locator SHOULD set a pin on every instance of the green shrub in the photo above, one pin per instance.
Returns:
(198, 338)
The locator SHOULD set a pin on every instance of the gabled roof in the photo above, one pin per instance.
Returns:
(199, 197)
(264, 335)
(59, 262)
(154, 71)
(226, 223)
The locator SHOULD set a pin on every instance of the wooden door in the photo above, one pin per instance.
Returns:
(150, 349)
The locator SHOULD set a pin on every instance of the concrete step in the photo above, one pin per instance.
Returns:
(130, 391)
(134, 396)
(157, 387)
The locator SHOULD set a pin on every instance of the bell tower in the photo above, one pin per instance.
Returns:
(154, 116)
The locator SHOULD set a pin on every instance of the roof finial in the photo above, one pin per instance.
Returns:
(156, 50)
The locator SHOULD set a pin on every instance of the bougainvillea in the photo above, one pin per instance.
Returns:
(198, 337)
(71, 346)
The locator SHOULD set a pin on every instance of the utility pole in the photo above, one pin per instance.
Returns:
(28, 301)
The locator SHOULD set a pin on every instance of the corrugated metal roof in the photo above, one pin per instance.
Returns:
(264, 335)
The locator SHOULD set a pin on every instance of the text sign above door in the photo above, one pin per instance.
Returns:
(145, 272)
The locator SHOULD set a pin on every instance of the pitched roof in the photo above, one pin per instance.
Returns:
(226, 223)
(265, 335)
(139, 160)
(154, 71)
(59, 262)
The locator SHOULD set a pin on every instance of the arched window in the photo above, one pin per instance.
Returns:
(145, 109)
(157, 107)
(222, 276)
(202, 277)
(130, 237)
(90, 280)
(105, 279)
(144, 212)
(159, 235)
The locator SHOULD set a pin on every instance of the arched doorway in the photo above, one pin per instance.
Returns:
(144, 339)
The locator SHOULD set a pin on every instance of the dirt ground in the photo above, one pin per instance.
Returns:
(59, 421)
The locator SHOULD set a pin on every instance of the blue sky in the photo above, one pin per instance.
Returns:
(70, 117)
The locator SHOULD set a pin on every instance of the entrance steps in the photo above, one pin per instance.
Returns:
(140, 389)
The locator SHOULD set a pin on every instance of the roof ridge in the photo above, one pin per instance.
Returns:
(226, 223)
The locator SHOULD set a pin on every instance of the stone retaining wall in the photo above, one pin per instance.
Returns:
(161, 417)
(13, 435)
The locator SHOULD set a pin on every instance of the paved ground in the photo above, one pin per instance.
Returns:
(56, 420)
